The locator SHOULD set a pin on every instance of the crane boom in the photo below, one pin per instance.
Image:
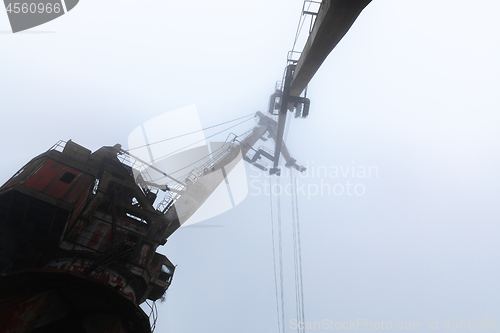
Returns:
(199, 189)
(334, 19)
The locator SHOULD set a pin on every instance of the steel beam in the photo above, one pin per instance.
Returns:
(282, 119)
(335, 18)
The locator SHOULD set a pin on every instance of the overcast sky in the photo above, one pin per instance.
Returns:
(412, 91)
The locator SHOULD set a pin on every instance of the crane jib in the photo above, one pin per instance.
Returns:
(334, 19)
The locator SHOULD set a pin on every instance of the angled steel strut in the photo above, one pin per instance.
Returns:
(333, 20)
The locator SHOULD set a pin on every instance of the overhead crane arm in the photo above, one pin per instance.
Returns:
(334, 19)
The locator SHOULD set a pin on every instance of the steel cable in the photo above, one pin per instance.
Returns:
(179, 136)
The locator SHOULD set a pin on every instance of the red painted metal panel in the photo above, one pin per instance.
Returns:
(44, 175)
(99, 236)
(82, 222)
(83, 186)
(59, 188)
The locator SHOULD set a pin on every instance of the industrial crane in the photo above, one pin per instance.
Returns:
(79, 229)
(74, 221)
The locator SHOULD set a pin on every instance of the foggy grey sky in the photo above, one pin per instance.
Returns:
(412, 89)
